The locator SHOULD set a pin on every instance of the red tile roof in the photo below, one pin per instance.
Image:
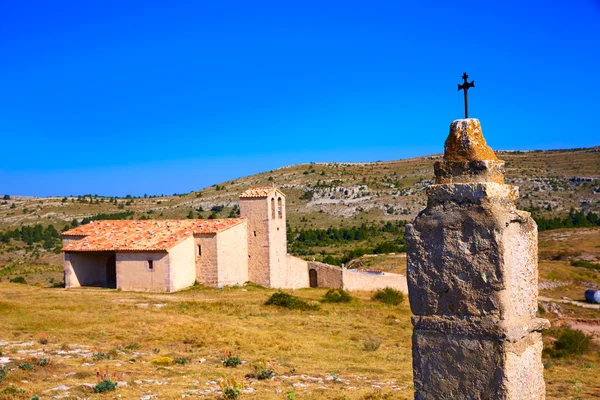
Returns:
(260, 192)
(146, 235)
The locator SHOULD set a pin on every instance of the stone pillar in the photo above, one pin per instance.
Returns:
(472, 281)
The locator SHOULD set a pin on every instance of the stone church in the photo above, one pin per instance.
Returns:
(170, 255)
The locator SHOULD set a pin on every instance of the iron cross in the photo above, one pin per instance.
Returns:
(465, 86)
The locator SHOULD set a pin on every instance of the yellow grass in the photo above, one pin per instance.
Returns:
(321, 352)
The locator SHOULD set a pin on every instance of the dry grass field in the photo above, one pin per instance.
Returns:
(323, 354)
(359, 350)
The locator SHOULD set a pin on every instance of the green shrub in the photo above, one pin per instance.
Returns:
(182, 360)
(262, 370)
(100, 355)
(286, 300)
(106, 385)
(291, 395)
(389, 296)
(18, 279)
(230, 360)
(3, 372)
(337, 296)
(231, 388)
(586, 264)
(42, 362)
(26, 366)
(569, 342)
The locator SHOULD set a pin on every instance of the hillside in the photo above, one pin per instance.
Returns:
(320, 195)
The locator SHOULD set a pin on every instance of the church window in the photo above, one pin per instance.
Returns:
(150, 265)
(280, 208)
(273, 208)
(199, 250)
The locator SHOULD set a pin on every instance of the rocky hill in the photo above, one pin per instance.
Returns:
(320, 195)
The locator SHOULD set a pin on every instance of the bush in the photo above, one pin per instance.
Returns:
(586, 264)
(44, 361)
(100, 355)
(389, 296)
(18, 279)
(231, 388)
(107, 385)
(162, 361)
(3, 371)
(26, 366)
(262, 370)
(286, 300)
(230, 360)
(569, 342)
(371, 344)
(182, 360)
(337, 296)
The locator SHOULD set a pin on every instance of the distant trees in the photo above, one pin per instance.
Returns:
(6, 197)
(302, 241)
(114, 216)
(217, 209)
(48, 236)
(575, 219)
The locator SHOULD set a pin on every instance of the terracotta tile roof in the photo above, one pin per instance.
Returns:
(260, 192)
(146, 235)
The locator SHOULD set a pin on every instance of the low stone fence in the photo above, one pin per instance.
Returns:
(297, 273)
(371, 280)
(332, 276)
(327, 275)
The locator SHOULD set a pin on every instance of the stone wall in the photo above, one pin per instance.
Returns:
(133, 272)
(182, 273)
(232, 255)
(257, 211)
(329, 276)
(363, 280)
(297, 273)
(205, 253)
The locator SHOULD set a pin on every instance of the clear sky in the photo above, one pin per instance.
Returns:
(157, 97)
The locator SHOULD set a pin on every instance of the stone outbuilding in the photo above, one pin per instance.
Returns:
(170, 255)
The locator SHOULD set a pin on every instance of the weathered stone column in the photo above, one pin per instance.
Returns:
(472, 281)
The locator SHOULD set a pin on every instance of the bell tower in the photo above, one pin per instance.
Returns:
(267, 242)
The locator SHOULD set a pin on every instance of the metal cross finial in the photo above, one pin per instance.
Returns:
(465, 86)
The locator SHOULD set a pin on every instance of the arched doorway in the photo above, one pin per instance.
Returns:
(111, 272)
(312, 278)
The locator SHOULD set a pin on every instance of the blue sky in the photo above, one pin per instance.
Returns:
(158, 97)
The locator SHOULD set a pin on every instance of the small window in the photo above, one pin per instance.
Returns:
(280, 208)
(273, 208)
(199, 250)
(150, 265)
(254, 233)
